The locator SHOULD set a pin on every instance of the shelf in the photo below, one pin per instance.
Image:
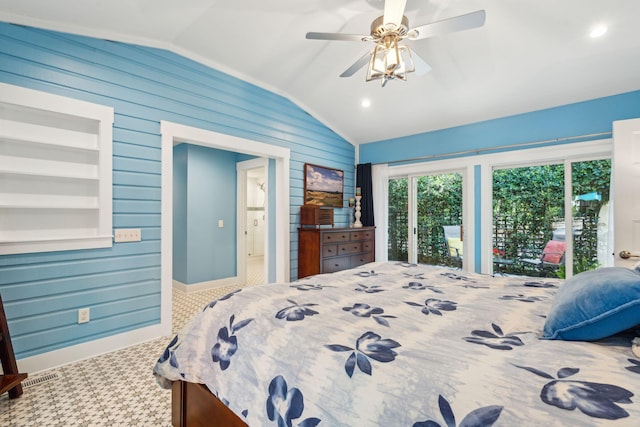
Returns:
(34, 245)
(49, 175)
(50, 206)
(11, 130)
(55, 172)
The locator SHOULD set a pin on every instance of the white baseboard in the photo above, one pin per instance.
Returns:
(76, 353)
(203, 286)
(86, 350)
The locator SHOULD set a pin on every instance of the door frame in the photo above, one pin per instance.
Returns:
(563, 154)
(175, 133)
(241, 223)
(626, 215)
(464, 166)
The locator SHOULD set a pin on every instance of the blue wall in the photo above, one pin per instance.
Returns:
(180, 214)
(121, 285)
(583, 118)
(211, 196)
(204, 192)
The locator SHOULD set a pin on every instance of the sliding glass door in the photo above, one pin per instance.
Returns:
(425, 219)
(398, 226)
(548, 217)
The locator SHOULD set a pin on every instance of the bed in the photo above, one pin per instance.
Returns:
(396, 344)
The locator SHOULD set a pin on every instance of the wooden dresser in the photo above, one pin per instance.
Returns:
(334, 249)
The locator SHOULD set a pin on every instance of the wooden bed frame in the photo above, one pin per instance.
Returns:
(193, 405)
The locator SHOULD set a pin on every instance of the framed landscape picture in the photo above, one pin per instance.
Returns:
(323, 186)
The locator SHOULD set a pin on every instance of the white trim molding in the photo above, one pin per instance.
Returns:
(174, 133)
(76, 353)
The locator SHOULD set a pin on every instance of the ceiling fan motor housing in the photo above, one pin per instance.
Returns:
(379, 30)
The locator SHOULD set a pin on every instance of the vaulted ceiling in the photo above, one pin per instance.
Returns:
(529, 55)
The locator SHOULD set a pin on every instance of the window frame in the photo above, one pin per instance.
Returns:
(477, 183)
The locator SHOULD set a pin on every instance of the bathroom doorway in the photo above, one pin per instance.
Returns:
(252, 220)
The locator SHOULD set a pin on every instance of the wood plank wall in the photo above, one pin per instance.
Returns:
(42, 292)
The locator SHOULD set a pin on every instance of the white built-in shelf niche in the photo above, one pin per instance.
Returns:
(55, 172)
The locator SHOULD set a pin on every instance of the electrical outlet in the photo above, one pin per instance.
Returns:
(83, 315)
(127, 235)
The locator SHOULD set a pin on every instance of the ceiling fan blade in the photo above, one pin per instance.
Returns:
(338, 36)
(393, 11)
(420, 65)
(357, 65)
(450, 25)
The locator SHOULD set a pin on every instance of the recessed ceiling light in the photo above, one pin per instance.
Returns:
(366, 103)
(598, 31)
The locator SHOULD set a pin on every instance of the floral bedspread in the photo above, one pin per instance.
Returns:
(391, 344)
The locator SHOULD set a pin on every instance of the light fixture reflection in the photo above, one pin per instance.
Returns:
(598, 31)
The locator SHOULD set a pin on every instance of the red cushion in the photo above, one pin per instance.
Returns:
(553, 251)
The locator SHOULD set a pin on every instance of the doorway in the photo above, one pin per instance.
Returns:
(425, 218)
(173, 133)
(252, 222)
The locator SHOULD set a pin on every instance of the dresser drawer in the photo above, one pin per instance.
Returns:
(349, 248)
(361, 235)
(329, 251)
(336, 264)
(367, 246)
(357, 260)
(335, 236)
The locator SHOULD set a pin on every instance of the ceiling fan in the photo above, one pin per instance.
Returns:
(389, 59)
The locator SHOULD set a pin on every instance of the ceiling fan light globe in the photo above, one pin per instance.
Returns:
(407, 64)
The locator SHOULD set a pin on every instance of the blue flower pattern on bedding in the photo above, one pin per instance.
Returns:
(593, 399)
(418, 276)
(418, 286)
(481, 417)
(438, 357)
(296, 311)
(434, 306)
(365, 310)
(520, 297)
(227, 343)
(369, 289)
(285, 405)
(310, 287)
(455, 276)
(496, 339)
(169, 353)
(223, 298)
(539, 284)
(370, 345)
(371, 273)
(635, 367)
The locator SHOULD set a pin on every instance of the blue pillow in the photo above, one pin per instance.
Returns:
(594, 305)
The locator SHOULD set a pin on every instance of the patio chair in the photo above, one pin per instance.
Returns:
(453, 242)
(551, 258)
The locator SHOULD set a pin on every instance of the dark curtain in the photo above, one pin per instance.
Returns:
(364, 181)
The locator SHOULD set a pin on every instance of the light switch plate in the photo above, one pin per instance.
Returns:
(127, 235)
